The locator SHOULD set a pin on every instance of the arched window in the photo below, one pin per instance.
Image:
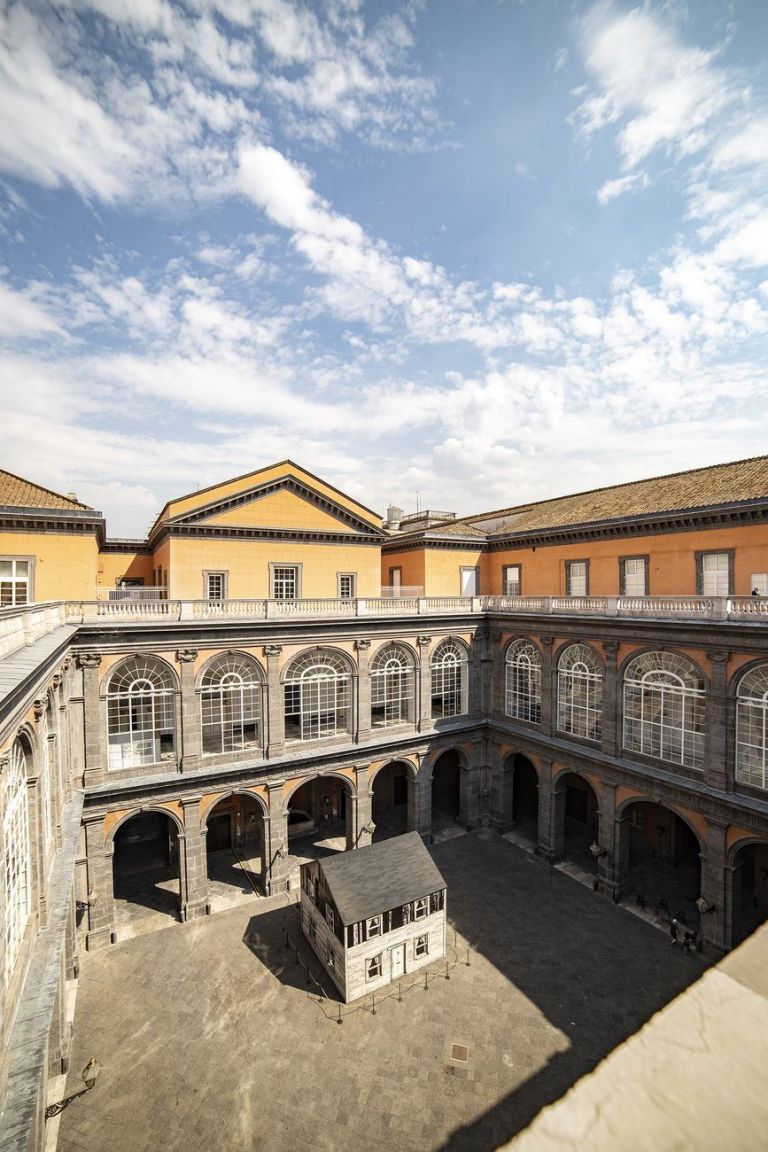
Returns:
(45, 779)
(580, 692)
(392, 690)
(523, 681)
(230, 704)
(17, 852)
(449, 680)
(752, 728)
(664, 702)
(140, 708)
(317, 696)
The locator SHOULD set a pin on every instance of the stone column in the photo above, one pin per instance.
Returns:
(362, 804)
(473, 793)
(713, 886)
(190, 737)
(425, 800)
(715, 753)
(500, 819)
(733, 908)
(413, 783)
(363, 733)
(609, 721)
(480, 676)
(548, 688)
(551, 830)
(75, 767)
(95, 721)
(193, 863)
(424, 703)
(276, 864)
(608, 865)
(100, 910)
(275, 725)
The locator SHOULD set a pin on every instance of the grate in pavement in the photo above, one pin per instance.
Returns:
(460, 1052)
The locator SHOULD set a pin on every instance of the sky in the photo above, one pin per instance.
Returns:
(453, 254)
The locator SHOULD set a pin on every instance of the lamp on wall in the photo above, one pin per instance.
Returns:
(89, 1076)
(704, 905)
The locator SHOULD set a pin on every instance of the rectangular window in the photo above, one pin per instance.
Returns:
(512, 579)
(469, 582)
(215, 585)
(15, 583)
(347, 585)
(331, 958)
(373, 967)
(395, 580)
(436, 901)
(421, 908)
(577, 577)
(285, 581)
(330, 917)
(713, 573)
(633, 576)
(312, 925)
(421, 946)
(759, 583)
(373, 926)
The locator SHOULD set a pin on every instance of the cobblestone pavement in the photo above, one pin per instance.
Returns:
(210, 1038)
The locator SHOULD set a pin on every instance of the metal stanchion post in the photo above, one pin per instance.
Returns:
(426, 981)
(339, 1019)
(467, 957)
(400, 993)
(447, 973)
(373, 1003)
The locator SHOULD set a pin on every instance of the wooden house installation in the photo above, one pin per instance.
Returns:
(375, 914)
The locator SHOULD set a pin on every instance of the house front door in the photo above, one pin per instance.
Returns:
(397, 961)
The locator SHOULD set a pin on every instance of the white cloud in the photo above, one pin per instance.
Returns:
(613, 188)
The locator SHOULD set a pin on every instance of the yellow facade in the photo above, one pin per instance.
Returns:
(130, 565)
(280, 510)
(64, 564)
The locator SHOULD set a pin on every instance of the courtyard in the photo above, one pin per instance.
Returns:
(212, 1036)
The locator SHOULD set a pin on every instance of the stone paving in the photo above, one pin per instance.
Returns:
(210, 1037)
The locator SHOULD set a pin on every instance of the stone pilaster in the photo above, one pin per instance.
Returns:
(733, 897)
(363, 730)
(715, 773)
(548, 688)
(608, 865)
(479, 671)
(362, 805)
(193, 864)
(713, 889)
(276, 863)
(425, 685)
(190, 737)
(609, 721)
(95, 721)
(275, 720)
(551, 840)
(100, 898)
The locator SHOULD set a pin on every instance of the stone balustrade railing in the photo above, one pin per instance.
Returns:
(22, 626)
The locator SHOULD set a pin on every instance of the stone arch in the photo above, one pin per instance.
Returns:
(109, 839)
(521, 778)
(445, 782)
(746, 887)
(621, 812)
(147, 870)
(393, 793)
(235, 830)
(660, 854)
(577, 806)
(165, 666)
(322, 805)
(412, 651)
(208, 808)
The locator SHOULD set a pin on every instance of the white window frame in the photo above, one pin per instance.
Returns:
(374, 966)
(18, 863)
(213, 581)
(374, 926)
(665, 709)
(580, 678)
(392, 686)
(346, 585)
(317, 696)
(512, 583)
(285, 581)
(448, 671)
(421, 946)
(230, 704)
(469, 580)
(634, 576)
(522, 699)
(141, 713)
(16, 587)
(577, 577)
(752, 728)
(421, 908)
(759, 583)
(714, 572)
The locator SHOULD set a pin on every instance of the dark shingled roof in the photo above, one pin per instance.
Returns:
(373, 879)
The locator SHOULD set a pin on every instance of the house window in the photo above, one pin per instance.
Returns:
(395, 580)
(512, 579)
(215, 585)
(664, 699)
(285, 581)
(469, 582)
(759, 583)
(392, 686)
(421, 908)
(373, 926)
(580, 675)
(577, 577)
(449, 665)
(312, 926)
(523, 683)
(331, 958)
(230, 704)
(15, 582)
(373, 966)
(633, 576)
(436, 901)
(347, 585)
(714, 573)
(330, 917)
(421, 946)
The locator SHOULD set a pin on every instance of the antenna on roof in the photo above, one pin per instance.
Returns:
(418, 509)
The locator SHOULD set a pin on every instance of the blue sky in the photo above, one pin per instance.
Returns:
(486, 252)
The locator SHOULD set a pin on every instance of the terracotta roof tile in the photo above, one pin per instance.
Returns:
(16, 492)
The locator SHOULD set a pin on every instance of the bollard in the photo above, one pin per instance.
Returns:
(467, 957)
(373, 1003)
(400, 993)
(339, 1020)
(426, 981)
(447, 973)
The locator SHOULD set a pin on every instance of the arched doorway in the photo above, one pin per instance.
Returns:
(523, 803)
(750, 890)
(661, 862)
(580, 820)
(235, 847)
(145, 867)
(320, 818)
(446, 790)
(390, 807)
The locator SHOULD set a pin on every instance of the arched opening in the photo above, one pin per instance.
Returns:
(446, 790)
(320, 819)
(580, 816)
(662, 862)
(390, 807)
(523, 797)
(235, 846)
(750, 890)
(146, 867)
